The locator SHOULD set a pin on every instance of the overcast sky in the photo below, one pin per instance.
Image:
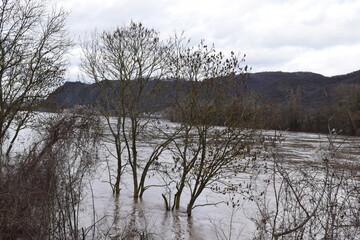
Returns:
(321, 36)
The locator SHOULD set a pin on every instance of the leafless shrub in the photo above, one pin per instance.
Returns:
(41, 190)
(226, 229)
(302, 201)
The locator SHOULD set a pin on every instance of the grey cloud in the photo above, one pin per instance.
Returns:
(275, 34)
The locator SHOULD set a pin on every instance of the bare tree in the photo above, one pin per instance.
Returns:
(205, 153)
(33, 44)
(127, 64)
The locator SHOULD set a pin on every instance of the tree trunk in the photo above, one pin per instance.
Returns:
(118, 179)
(177, 197)
(134, 164)
(143, 178)
(119, 166)
(190, 206)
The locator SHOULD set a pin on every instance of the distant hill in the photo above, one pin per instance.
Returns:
(315, 90)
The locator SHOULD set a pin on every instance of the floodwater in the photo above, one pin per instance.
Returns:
(114, 216)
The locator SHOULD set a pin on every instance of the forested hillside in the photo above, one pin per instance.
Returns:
(299, 101)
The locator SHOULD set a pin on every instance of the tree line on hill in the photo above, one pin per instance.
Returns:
(304, 102)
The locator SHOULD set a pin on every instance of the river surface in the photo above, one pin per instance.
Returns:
(222, 221)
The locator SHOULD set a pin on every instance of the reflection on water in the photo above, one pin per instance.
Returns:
(122, 215)
(125, 218)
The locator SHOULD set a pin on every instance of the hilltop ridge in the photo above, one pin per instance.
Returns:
(314, 89)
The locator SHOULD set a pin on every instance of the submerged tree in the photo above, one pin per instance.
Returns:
(127, 64)
(33, 44)
(204, 153)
